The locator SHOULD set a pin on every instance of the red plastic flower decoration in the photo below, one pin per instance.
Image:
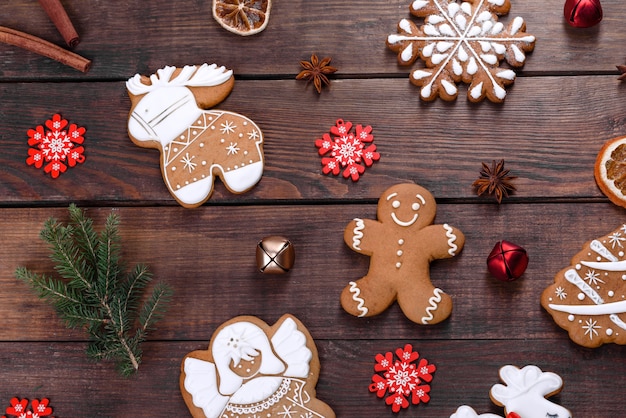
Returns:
(39, 408)
(346, 152)
(56, 147)
(402, 380)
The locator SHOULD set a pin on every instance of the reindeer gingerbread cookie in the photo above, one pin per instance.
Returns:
(523, 395)
(253, 370)
(401, 244)
(169, 113)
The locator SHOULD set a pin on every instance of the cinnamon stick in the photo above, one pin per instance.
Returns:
(54, 9)
(45, 48)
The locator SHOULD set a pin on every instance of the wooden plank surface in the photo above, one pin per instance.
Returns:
(565, 103)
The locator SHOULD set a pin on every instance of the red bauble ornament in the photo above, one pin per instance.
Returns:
(507, 261)
(582, 13)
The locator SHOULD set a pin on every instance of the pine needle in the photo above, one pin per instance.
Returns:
(93, 292)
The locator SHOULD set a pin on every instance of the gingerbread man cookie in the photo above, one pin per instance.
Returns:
(168, 113)
(401, 244)
(588, 298)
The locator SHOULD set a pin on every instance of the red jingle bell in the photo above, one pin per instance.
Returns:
(582, 13)
(507, 261)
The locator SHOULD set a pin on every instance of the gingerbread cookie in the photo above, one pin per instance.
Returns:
(588, 298)
(523, 395)
(168, 113)
(252, 369)
(401, 244)
(462, 42)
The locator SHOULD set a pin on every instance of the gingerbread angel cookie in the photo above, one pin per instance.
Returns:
(401, 244)
(254, 370)
(588, 298)
(168, 113)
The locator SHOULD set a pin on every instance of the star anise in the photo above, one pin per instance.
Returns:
(494, 180)
(316, 71)
(622, 70)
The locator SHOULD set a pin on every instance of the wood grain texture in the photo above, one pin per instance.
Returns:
(565, 103)
(440, 145)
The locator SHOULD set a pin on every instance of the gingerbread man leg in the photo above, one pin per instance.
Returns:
(367, 296)
(424, 304)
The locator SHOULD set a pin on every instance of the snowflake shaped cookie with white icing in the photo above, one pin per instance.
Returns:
(462, 42)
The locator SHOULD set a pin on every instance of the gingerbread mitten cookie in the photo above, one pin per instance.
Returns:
(588, 298)
(168, 113)
(252, 369)
(401, 244)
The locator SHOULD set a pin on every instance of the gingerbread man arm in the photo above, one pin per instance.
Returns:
(445, 241)
(360, 235)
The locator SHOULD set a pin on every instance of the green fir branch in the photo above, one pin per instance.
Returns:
(94, 293)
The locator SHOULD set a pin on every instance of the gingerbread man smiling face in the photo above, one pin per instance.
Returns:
(401, 244)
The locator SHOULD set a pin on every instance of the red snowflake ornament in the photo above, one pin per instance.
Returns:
(346, 151)
(39, 408)
(402, 380)
(56, 147)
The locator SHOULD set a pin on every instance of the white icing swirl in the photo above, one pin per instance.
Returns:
(354, 289)
(357, 233)
(433, 303)
(451, 239)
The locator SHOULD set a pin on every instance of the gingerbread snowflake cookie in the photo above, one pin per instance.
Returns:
(588, 298)
(252, 369)
(401, 244)
(462, 42)
(169, 113)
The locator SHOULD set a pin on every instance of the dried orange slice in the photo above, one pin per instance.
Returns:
(610, 170)
(243, 17)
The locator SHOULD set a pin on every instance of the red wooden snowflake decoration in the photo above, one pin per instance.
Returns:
(402, 380)
(55, 147)
(39, 408)
(347, 151)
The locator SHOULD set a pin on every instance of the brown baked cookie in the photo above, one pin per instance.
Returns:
(461, 42)
(588, 298)
(169, 113)
(253, 370)
(401, 244)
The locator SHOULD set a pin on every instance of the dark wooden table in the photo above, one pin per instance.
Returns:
(565, 103)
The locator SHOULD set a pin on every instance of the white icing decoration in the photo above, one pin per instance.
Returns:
(599, 248)
(606, 265)
(449, 87)
(418, 4)
(356, 292)
(601, 309)
(407, 53)
(405, 25)
(451, 240)
(477, 90)
(518, 22)
(506, 74)
(417, 74)
(357, 233)
(433, 302)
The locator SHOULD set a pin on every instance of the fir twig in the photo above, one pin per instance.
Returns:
(94, 293)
